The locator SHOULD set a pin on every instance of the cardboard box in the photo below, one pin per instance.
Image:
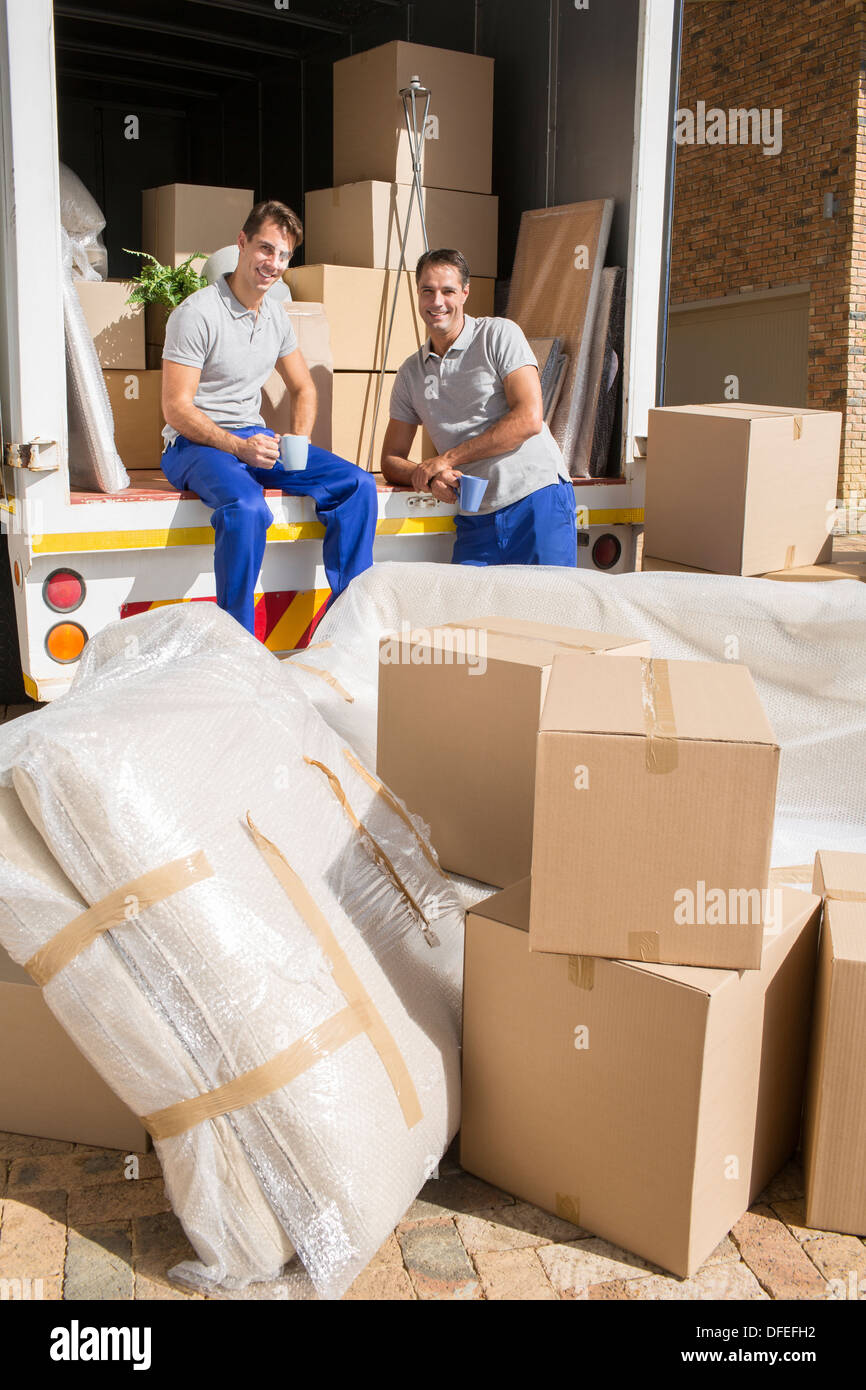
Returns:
(655, 787)
(474, 785)
(741, 489)
(47, 1088)
(361, 224)
(370, 137)
(180, 220)
(310, 323)
(650, 565)
(136, 403)
(834, 1138)
(649, 1104)
(352, 418)
(358, 305)
(117, 328)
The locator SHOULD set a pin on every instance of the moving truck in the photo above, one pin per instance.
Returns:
(238, 96)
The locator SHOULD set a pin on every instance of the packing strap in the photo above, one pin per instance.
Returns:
(117, 908)
(325, 676)
(390, 800)
(380, 858)
(662, 753)
(261, 1081)
(344, 974)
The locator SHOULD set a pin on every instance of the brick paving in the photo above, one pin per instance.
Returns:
(73, 1226)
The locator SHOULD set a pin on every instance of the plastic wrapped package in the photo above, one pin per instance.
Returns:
(555, 290)
(94, 463)
(305, 929)
(83, 219)
(804, 644)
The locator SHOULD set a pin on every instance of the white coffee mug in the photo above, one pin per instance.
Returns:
(294, 449)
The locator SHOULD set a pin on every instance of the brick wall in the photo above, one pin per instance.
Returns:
(746, 221)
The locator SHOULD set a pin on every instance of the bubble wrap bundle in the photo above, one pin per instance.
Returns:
(183, 739)
(94, 463)
(83, 218)
(804, 644)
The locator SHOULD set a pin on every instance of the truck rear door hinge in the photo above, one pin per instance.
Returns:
(30, 456)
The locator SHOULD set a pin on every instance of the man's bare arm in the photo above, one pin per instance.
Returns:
(302, 390)
(179, 385)
(524, 419)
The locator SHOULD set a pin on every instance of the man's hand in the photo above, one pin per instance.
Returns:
(437, 476)
(259, 451)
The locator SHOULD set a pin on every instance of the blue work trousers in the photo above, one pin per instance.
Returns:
(540, 529)
(345, 498)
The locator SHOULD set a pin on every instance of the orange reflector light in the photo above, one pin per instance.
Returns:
(65, 642)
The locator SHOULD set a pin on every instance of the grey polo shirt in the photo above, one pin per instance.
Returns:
(462, 394)
(235, 348)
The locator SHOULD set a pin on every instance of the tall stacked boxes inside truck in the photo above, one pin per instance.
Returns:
(354, 231)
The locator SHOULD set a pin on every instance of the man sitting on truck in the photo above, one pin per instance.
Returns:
(474, 385)
(221, 345)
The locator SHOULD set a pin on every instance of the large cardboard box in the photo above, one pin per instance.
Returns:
(370, 136)
(741, 489)
(180, 220)
(361, 224)
(358, 304)
(834, 1141)
(47, 1088)
(136, 403)
(819, 574)
(649, 1104)
(482, 686)
(352, 419)
(310, 323)
(117, 328)
(655, 788)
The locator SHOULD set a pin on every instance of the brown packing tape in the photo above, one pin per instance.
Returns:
(344, 974)
(846, 895)
(261, 1081)
(325, 676)
(662, 752)
(789, 558)
(643, 945)
(798, 426)
(390, 800)
(115, 910)
(380, 858)
(581, 971)
(568, 1208)
(795, 873)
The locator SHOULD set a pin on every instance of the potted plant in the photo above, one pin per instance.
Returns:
(160, 288)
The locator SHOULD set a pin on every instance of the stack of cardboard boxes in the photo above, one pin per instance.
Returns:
(637, 998)
(179, 220)
(353, 231)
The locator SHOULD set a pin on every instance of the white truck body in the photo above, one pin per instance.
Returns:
(146, 547)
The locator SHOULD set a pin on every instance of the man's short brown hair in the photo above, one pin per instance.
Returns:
(288, 222)
(444, 256)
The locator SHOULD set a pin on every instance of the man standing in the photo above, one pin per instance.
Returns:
(474, 385)
(221, 345)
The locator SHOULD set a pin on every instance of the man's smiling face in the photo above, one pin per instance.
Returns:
(264, 256)
(441, 296)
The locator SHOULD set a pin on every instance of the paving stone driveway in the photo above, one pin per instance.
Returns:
(70, 1218)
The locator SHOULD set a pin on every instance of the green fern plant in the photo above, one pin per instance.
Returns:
(168, 285)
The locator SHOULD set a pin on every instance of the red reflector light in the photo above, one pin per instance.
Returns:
(63, 591)
(606, 552)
